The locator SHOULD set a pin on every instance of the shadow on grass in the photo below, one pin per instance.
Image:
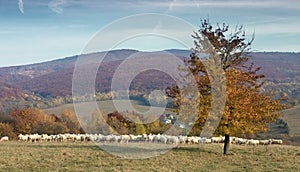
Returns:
(54, 146)
(126, 148)
(193, 149)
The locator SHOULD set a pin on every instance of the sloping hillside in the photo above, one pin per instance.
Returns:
(292, 117)
(9, 91)
(54, 78)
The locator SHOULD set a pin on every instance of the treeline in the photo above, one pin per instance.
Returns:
(124, 123)
(33, 120)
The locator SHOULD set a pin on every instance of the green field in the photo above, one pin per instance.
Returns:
(17, 156)
(104, 106)
(292, 117)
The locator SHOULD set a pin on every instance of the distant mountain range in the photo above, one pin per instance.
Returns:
(54, 78)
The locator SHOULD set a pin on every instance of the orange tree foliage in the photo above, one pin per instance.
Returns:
(70, 119)
(32, 120)
(6, 130)
(121, 123)
(247, 110)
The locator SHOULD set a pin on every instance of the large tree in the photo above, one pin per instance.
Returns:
(247, 109)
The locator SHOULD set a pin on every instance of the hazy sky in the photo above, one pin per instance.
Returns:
(41, 30)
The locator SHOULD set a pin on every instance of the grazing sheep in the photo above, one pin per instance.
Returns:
(150, 138)
(241, 141)
(133, 138)
(142, 138)
(113, 138)
(5, 138)
(163, 139)
(204, 140)
(102, 138)
(173, 140)
(125, 138)
(34, 137)
(90, 137)
(61, 138)
(77, 138)
(156, 138)
(219, 139)
(182, 139)
(194, 139)
(264, 142)
(253, 142)
(276, 141)
(23, 138)
(46, 138)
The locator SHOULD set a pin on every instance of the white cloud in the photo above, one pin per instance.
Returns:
(275, 28)
(57, 5)
(21, 6)
(77, 26)
(171, 5)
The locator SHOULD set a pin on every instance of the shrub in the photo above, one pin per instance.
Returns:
(6, 130)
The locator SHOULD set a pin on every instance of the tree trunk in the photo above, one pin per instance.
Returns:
(226, 144)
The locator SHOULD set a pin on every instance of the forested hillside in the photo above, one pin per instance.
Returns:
(54, 79)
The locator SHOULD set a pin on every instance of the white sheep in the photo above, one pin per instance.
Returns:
(204, 140)
(253, 142)
(113, 138)
(5, 138)
(163, 139)
(61, 138)
(241, 141)
(46, 138)
(22, 137)
(133, 138)
(125, 138)
(183, 139)
(219, 139)
(34, 137)
(150, 138)
(264, 142)
(158, 138)
(276, 141)
(173, 140)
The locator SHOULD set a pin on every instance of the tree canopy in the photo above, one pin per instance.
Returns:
(247, 110)
(32, 120)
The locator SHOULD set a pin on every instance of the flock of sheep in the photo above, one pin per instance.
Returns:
(157, 138)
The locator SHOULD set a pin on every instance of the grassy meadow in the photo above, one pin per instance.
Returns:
(105, 107)
(292, 117)
(17, 156)
(203, 157)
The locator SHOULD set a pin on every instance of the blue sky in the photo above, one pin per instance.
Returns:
(41, 30)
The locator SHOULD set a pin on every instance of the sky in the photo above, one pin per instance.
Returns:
(34, 31)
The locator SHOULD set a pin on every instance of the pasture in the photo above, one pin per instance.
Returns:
(86, 156)
(292, 116)
(105, 107)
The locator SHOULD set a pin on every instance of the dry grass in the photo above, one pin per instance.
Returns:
(17, 156)
(104, 106)
(292, 116)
